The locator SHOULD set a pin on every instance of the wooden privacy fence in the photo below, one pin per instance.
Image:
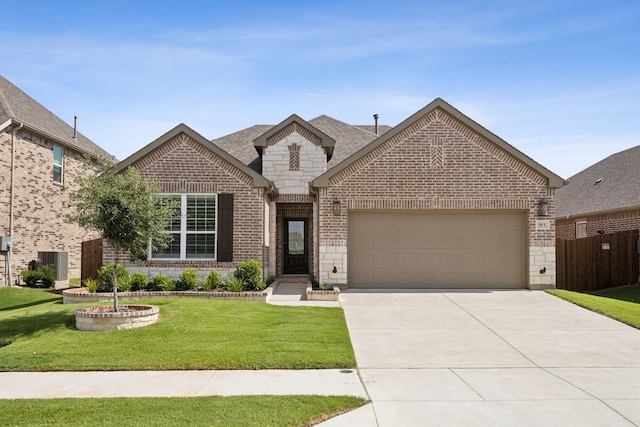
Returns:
(91, 259)
(597, 262)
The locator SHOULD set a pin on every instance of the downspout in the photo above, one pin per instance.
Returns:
(11, 195)
(316, 232)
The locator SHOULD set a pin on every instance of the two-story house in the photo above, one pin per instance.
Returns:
(40, 155)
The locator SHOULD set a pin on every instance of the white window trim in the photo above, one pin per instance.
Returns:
(184, 232)
(61, 165)
(579, 224)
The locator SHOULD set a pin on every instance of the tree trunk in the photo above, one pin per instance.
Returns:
(115, 279)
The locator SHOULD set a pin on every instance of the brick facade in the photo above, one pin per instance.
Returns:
(436, 164)
(610, 223)
(183, 165)
(437, 160)
(39, 203)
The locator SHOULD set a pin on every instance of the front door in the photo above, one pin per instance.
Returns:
(296, 259)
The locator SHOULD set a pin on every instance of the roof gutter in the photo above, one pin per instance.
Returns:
(58, 140)
(601, 212)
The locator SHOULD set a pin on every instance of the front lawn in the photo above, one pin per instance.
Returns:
(629, 293)
(190, 411)
(623, 311)
(37, 333)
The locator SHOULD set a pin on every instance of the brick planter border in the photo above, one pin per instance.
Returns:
(81, 295)
(102, 319)
(323, 295)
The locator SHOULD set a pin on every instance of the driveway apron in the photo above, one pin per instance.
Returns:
(494, 358)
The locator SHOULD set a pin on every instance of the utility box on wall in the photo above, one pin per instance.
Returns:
(59, 260)
(5, 243)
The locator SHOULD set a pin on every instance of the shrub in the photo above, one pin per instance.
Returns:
(105, 277)
(249, 273)
(30, 277)
(234, 285)
(189, 279)
(91, 285)
(163, 282)
(48, 275)
(270, 280)
(312, 279)
(212, 282)
(45, 274)
(138, 281)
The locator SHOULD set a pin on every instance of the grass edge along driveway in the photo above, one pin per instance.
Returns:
(607, 303)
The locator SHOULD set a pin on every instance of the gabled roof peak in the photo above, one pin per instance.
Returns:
(554, 181)
(297, 124)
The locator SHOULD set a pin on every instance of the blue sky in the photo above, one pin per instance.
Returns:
(559, 80)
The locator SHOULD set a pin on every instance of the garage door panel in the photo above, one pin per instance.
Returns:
(437, 250)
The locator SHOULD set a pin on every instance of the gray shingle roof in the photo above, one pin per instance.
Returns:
(612, 183)
(349, 139)
(18, 106)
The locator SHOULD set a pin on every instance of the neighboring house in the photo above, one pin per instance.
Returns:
(435, 202)
(39, 156)
(604, 198)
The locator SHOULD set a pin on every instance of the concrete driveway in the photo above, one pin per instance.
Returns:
(490, 358)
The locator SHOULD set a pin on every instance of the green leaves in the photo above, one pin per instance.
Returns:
(121, 207)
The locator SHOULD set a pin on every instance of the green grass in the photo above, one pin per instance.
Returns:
(629, 293)
(37, 333)
(623, 311)
(189, 411)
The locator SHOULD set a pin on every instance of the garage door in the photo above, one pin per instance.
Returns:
(437, 250)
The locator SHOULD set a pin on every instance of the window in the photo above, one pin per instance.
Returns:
(193, 227)
(581, 229)
(58, 164)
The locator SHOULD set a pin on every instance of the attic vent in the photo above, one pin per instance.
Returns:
(294, 157)
(598, 181)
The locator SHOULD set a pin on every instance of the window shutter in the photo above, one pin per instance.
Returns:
(225, 227)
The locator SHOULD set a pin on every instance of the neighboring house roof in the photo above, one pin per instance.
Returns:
(348, 139)
(553, 180)
(17, 106)
(612, 184)
(258, 180)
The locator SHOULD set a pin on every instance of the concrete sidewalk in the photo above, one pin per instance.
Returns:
(39, 385)
(478, 358)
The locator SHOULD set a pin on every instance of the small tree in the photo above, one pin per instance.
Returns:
(121, 207)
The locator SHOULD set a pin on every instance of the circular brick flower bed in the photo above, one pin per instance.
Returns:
(103, 318)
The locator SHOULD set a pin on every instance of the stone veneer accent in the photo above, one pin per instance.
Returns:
(39, 203)
(276, 161)
(436, 164)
